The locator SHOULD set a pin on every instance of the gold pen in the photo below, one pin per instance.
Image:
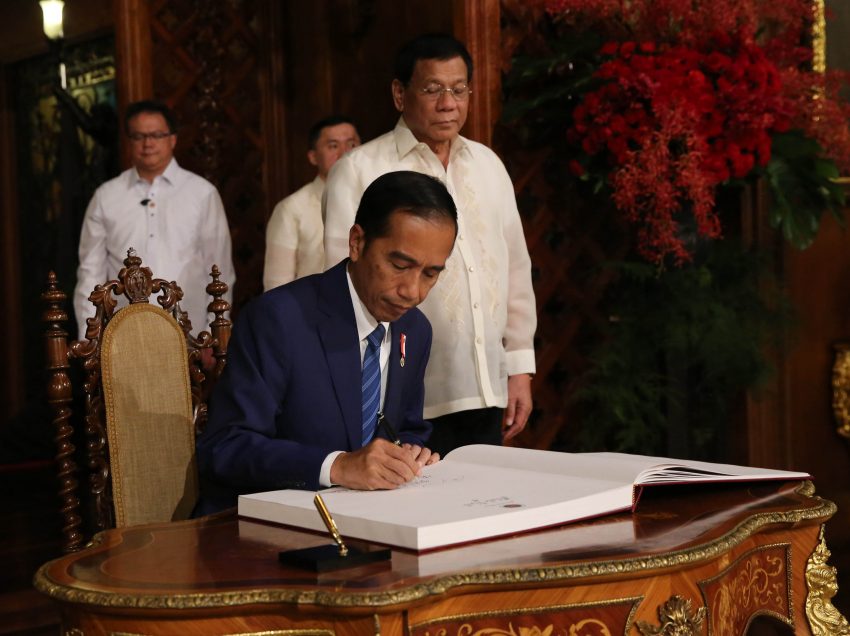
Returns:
(329, 522)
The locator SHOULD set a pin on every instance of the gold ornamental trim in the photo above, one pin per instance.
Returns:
(841, 386)
(819, 37)
(821, 579)
(675, 619)
(442, 584)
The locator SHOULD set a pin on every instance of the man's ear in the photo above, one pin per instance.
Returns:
(356, 242)
(398, 95)
(311, 157)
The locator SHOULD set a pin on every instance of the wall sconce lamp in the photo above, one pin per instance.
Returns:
(52, 13)
(52, 22)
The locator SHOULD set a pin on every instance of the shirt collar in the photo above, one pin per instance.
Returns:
(366, 323)
(170, 175)
(317, 186)
(405, 141)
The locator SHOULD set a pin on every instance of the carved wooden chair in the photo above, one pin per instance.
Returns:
(145, 392)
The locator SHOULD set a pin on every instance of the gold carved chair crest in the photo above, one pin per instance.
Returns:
(145, 379)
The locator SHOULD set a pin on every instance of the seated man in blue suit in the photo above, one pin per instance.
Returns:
(300, 401)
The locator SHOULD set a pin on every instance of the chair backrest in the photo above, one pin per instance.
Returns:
(149, 428)
(145, 390)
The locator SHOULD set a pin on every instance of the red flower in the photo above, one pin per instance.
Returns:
(576, 168)
(610, 48)
(676, 121)
(692, 100)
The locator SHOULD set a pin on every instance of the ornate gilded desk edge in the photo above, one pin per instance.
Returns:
(553, 574)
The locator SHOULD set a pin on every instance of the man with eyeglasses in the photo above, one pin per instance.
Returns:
(478, 380)
(173, 218)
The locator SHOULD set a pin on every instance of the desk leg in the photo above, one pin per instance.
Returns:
(821, 580)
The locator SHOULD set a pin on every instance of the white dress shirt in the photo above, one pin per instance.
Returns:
(482, 309)
(366, 324)
(294, 237)
(177, 226)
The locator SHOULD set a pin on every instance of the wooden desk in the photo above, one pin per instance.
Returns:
(701, 560)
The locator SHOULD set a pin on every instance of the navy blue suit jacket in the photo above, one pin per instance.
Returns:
(290, 393)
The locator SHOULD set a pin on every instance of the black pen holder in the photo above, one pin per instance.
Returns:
(326, 558)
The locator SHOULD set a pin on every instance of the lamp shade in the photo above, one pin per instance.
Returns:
(52, 10)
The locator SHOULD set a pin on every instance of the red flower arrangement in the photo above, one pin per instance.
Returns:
(674, 122)
(685, 108)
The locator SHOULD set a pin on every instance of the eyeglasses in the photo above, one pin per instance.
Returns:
(433, 92)
(156, 136)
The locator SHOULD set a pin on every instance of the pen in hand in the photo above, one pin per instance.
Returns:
(384, 423)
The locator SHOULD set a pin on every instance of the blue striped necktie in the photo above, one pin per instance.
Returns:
(371, 382)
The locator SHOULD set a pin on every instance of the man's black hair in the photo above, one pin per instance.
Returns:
(431, 46)
(411, 192)
(317, 128)
(150, 106)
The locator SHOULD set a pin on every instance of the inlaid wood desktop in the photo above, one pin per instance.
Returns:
(691, 560)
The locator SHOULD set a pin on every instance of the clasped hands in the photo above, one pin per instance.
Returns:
(381, 465)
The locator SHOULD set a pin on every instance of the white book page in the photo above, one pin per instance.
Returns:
(654, 470)
(613, 467)
(620, 468)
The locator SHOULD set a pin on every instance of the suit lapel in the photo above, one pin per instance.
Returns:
(338, 333)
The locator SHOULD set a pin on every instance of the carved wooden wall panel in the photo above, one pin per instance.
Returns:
(247, 78)
(206, 65)
(340, 60)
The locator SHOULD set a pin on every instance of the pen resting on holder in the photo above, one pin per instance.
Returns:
(326, 558)
(329, 522)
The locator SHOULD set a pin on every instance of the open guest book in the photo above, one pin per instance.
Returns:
(479, 491)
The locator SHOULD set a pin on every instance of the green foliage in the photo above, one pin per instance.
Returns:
(803, 186)
(679, 341)
(544, 88)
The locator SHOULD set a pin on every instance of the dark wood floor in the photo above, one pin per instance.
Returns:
(29, 535)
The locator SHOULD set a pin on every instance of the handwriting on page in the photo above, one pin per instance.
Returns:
(429, 480)
(437, 481)
(493, 502)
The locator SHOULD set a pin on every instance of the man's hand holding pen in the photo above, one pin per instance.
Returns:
(424, 456)
(381, 464)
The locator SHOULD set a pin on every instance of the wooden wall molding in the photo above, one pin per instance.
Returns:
(272, 83)
(133, 68)
(476, 23)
